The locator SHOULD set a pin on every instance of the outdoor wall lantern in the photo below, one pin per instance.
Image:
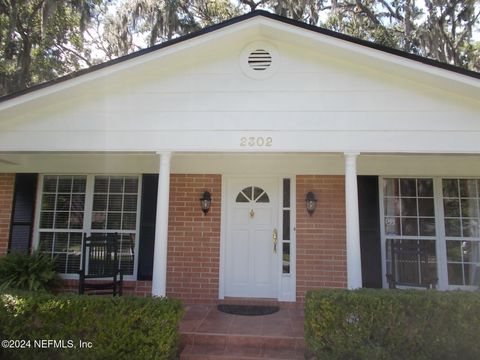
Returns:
(310, 202)
(205, 202)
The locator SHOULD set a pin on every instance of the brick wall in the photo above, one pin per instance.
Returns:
(193, 239)
(321, 238)
(7, 184)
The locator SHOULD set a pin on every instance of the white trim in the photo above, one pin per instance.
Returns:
(354, 261)
(223, 241)
(159, 275)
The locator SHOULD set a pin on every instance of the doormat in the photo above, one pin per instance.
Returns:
(249, 310)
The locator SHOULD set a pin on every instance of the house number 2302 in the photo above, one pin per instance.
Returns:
(256, 141)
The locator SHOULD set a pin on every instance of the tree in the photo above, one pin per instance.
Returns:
(137, 24)
(40, 40)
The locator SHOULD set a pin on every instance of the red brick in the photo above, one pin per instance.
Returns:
(193, 239)
(321, 238)
(7, 182)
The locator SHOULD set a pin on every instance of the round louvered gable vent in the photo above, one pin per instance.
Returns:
(259, 60)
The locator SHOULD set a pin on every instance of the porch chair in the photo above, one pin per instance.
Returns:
(409, 266)
(100, 274)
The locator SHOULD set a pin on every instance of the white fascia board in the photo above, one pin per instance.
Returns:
(130, 63)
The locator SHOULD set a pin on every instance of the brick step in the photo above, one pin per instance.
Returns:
(241, 347)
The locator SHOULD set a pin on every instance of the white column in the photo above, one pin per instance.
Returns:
(159, 278)
(354, 263)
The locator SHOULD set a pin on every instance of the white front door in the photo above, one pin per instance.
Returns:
(251, 255)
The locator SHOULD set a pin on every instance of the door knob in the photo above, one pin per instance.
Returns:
(275, 240)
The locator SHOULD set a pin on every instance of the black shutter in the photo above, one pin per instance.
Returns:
(370, 239)
(21, 225)
(148, 215)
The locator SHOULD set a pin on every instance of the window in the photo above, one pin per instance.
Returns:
(74, 205)
(286, 241)
(462, 224)
(409, 223)
(252, 194)
(447, 229)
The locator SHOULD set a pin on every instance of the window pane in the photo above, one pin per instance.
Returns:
(46, 242)
(257, 192)
(468, 188)
(130, 203)
(63, 202)
(98, 220)
(114, 221)
(455, 274)
(50, 184)
(116, 185)
(129, 221)
(286, 193)
(452, 227)
(427, 226)
(409, 227)
(286, 258)
(100, 202)
(46, 220)
(409, 206)
(425, 187)
(76, 220)
(470, 228)
(451, 207)
(454, 251)
(469, 208)
(390, 187)
(263, 199)
(131, 185)
(79, 184)
(392, 206)
(115, 203)
(61, 242)
(78, 202)
(48, 202)
(241, 198)
(61, 263)
(73, 261)
(450, 188)
(408, 187)
(65, 184)
(286, 224)
(101, 184)
(426, 207)
(392, 226)
(61, 220)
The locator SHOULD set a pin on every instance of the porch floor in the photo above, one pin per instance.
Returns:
(210, 334)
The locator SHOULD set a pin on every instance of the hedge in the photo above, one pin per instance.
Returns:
(392, 324)
(115, 327)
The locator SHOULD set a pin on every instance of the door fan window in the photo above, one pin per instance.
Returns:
(252, 194)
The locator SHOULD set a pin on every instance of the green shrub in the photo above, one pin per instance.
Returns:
(33, 272)
(117, 327)
(392, 324)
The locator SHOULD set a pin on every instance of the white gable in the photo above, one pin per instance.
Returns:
(325, 95)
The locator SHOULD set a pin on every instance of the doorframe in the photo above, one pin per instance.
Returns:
(283, 294)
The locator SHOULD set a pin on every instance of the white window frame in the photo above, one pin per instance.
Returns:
(87, 217)
(440, 237)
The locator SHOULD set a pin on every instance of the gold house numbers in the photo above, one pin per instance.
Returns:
(256, 141)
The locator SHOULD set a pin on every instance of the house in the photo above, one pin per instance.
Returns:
(320, 153)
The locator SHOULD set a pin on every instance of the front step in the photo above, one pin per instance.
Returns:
(241, 347)
(210, 334)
